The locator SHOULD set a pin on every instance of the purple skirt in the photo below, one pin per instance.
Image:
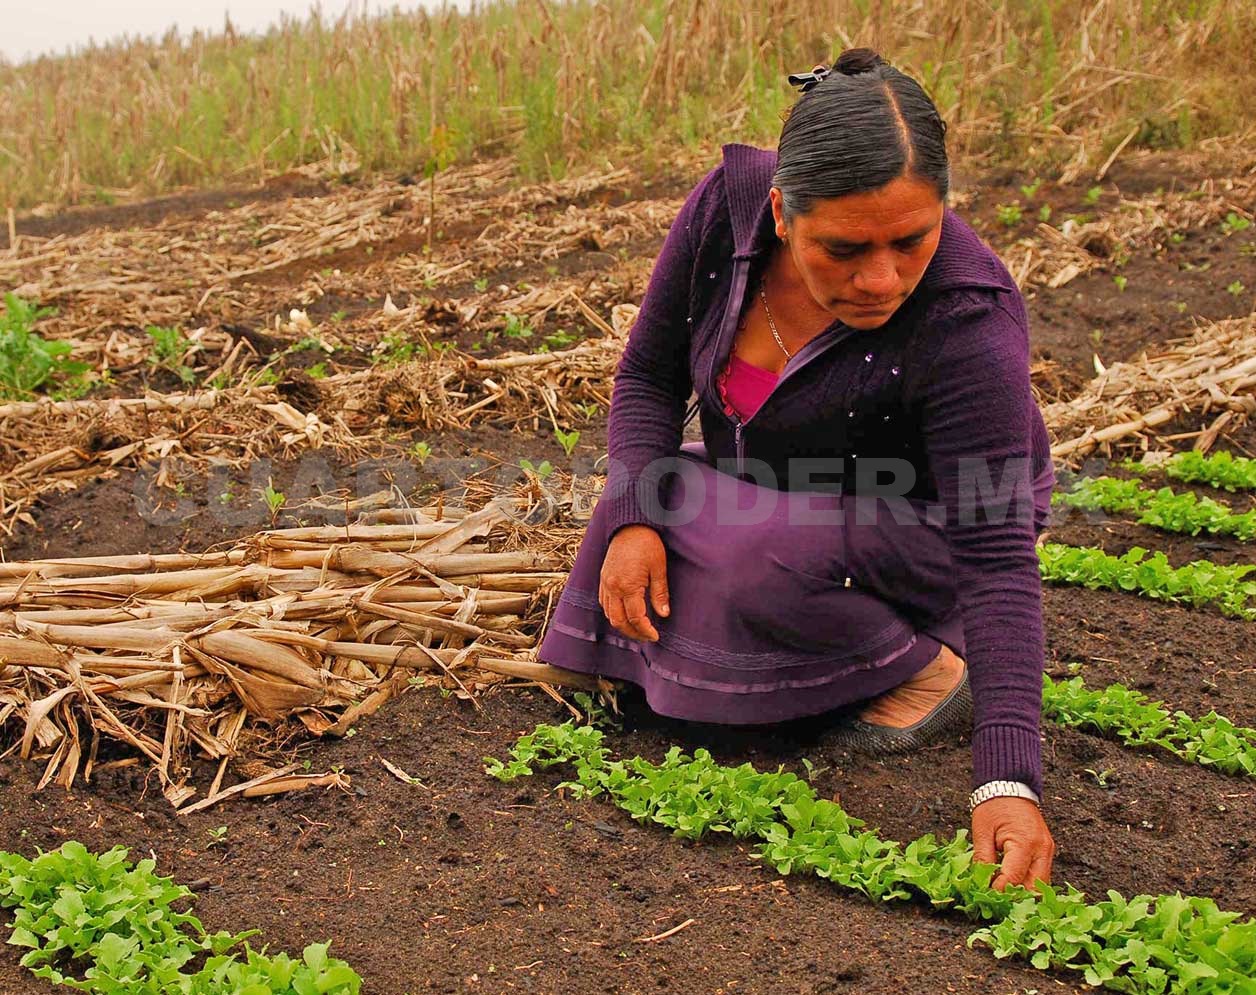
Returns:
(783, 603)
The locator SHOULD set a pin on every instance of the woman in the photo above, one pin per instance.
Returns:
(772, 571)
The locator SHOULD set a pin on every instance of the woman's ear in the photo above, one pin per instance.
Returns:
(778, 205)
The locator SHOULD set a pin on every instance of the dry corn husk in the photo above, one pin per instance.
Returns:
(185, 656)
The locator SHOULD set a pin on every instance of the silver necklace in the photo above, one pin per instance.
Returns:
(771, 323)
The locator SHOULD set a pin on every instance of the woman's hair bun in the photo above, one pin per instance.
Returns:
(854, 61)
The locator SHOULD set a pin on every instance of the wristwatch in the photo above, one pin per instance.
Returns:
(1002, 789)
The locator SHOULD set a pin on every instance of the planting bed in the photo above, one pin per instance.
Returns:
(464, 883)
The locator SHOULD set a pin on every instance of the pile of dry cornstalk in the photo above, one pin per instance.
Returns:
(522, 389)
(56, 445)
(1212, 374)
(175, 655)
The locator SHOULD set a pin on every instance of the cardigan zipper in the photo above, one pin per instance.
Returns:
(815, 347)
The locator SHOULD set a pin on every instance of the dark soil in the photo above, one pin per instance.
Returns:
(1166, 288)
(1117, 536)
(152, 211)
(467, 884)
(470, 883)
(127, 511)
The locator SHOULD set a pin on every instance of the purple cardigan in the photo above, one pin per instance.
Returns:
(945, 380)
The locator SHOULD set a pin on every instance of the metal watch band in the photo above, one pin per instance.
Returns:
(1001, 789)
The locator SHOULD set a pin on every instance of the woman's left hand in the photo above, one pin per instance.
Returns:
(1014, 828)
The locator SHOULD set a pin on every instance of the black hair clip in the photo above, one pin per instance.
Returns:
(805, 81)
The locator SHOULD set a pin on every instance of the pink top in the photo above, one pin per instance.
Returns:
(743, 386)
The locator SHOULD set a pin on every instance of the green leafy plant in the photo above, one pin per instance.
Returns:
(316, 372)
(1197, 584)
(561, 339)
(1030, 190)
(274, 499)
(1144, 944)
(1234, 223)
(421, 451)
(1008, 214)
(1128, 715)
(28, 361)
(567, 439)
(1093, 195)
(516, 327)
(394, 349)
(1044, 213)
(481, 284)
(595, 713)
(542, 471)
(217, 837)
(97, 923)
(1121, 282)
(1101, 776)
(1185, 512)
(1236, 288)
(1221, 469)
(170, 345)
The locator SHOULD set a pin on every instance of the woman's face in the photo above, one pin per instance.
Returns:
(861, 255)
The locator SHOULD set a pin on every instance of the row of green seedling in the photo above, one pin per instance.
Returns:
(1130, 716)
(1164, 944)
(1221, 470)
(1164, 509)
(97, 923)
(1197, 584)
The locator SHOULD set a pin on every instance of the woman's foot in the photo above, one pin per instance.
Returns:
(919, 695)
(921, 711)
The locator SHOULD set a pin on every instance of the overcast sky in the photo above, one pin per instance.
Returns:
(44, 26)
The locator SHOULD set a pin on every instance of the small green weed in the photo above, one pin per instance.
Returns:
(27, 361)
(1008, 214)
(561, 339)
(394, 349)
(567, 439)
(274, 499)
(1234, 222)
(516, 327)
(170, 345)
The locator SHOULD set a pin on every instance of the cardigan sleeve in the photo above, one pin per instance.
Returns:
(652, 379)
(978, 423)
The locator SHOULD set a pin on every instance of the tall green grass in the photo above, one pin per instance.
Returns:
(1043, 81)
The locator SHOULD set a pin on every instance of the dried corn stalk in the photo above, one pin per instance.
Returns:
(1212, 374)
(176, 656)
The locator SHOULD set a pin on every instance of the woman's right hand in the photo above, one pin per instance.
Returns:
(635, 560)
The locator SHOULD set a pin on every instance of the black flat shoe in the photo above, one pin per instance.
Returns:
(953, 713)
